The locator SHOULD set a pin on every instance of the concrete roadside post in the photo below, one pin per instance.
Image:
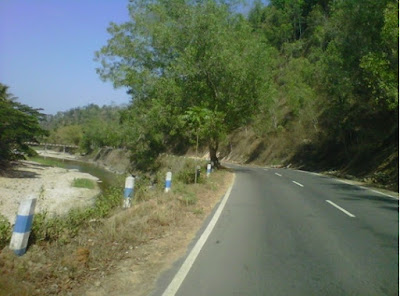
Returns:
(208, 169)
(198, 171)
(22, 227)
(128, 191)
(168, 181)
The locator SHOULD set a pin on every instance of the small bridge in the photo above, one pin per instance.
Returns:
(45, 145)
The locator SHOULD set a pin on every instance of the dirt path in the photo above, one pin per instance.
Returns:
(51, 185)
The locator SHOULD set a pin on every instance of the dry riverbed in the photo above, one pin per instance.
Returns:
(52, 186)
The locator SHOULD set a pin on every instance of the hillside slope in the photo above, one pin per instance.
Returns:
(378, 166)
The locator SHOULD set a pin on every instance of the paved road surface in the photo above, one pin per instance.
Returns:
(286, 232)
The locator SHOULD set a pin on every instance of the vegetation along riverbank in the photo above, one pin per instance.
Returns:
(104, 249)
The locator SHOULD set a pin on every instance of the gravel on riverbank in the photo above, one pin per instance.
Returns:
(57, 154)
(51, 185)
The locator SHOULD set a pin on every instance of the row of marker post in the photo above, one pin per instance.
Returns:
(130, 186)
(24, 220)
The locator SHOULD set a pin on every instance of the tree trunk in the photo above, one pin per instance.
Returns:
(213, 148)
(197, 155)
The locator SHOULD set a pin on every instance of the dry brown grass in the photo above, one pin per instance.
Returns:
(120, 254)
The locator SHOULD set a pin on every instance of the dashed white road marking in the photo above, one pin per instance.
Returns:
(183, 271)
(278, 174)
(297, 183)
(340, 208)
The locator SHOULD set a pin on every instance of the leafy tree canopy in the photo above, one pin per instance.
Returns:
(185, 54)
(19, 123)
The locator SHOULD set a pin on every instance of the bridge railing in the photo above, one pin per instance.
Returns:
(51, 145)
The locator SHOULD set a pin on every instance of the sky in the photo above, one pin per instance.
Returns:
(47, 49)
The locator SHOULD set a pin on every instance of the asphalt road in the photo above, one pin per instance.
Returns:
(285, 232)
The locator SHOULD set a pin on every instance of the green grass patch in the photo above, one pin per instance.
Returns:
(83, 183)
(47, 161)
(63, 228)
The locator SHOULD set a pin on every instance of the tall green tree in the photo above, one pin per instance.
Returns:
(19, 123)
(186, 54)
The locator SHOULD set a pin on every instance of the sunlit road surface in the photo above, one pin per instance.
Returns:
(286, 232)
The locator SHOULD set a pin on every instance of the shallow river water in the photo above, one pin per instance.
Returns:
(107, 178)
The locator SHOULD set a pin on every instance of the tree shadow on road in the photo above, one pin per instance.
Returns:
(350, 192)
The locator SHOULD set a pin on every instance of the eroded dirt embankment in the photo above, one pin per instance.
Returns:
(374, 168)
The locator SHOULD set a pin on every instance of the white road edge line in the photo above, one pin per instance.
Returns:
(301, 185)
(368, 189)
(384, 194)
(310, 173)
(340, 208)
(349, 183)
(278, 174)
(183, 271)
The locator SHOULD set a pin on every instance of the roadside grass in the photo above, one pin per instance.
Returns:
(5, 231)
(83, 183)
(87, 244)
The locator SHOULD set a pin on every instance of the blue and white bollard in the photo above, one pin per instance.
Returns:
(128, 191)
(168, 181)
(208, 169)
(22, 227)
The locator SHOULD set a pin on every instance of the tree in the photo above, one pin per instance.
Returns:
(19, 123)
(381, 67)
(68, 135)
(186, 54)
(206, 125)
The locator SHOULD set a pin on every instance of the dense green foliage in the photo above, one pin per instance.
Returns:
(19, 123)
(336, 77)
(321, 75)
(89, 127)
(324, 71)
(177, 55)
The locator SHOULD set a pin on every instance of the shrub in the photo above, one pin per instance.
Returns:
(187, 174)
(63, 228)
(5, 231)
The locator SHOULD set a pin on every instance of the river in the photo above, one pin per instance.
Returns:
(106, 178)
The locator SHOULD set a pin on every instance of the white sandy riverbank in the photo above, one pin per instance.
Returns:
(57, 154)
(52, 187)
